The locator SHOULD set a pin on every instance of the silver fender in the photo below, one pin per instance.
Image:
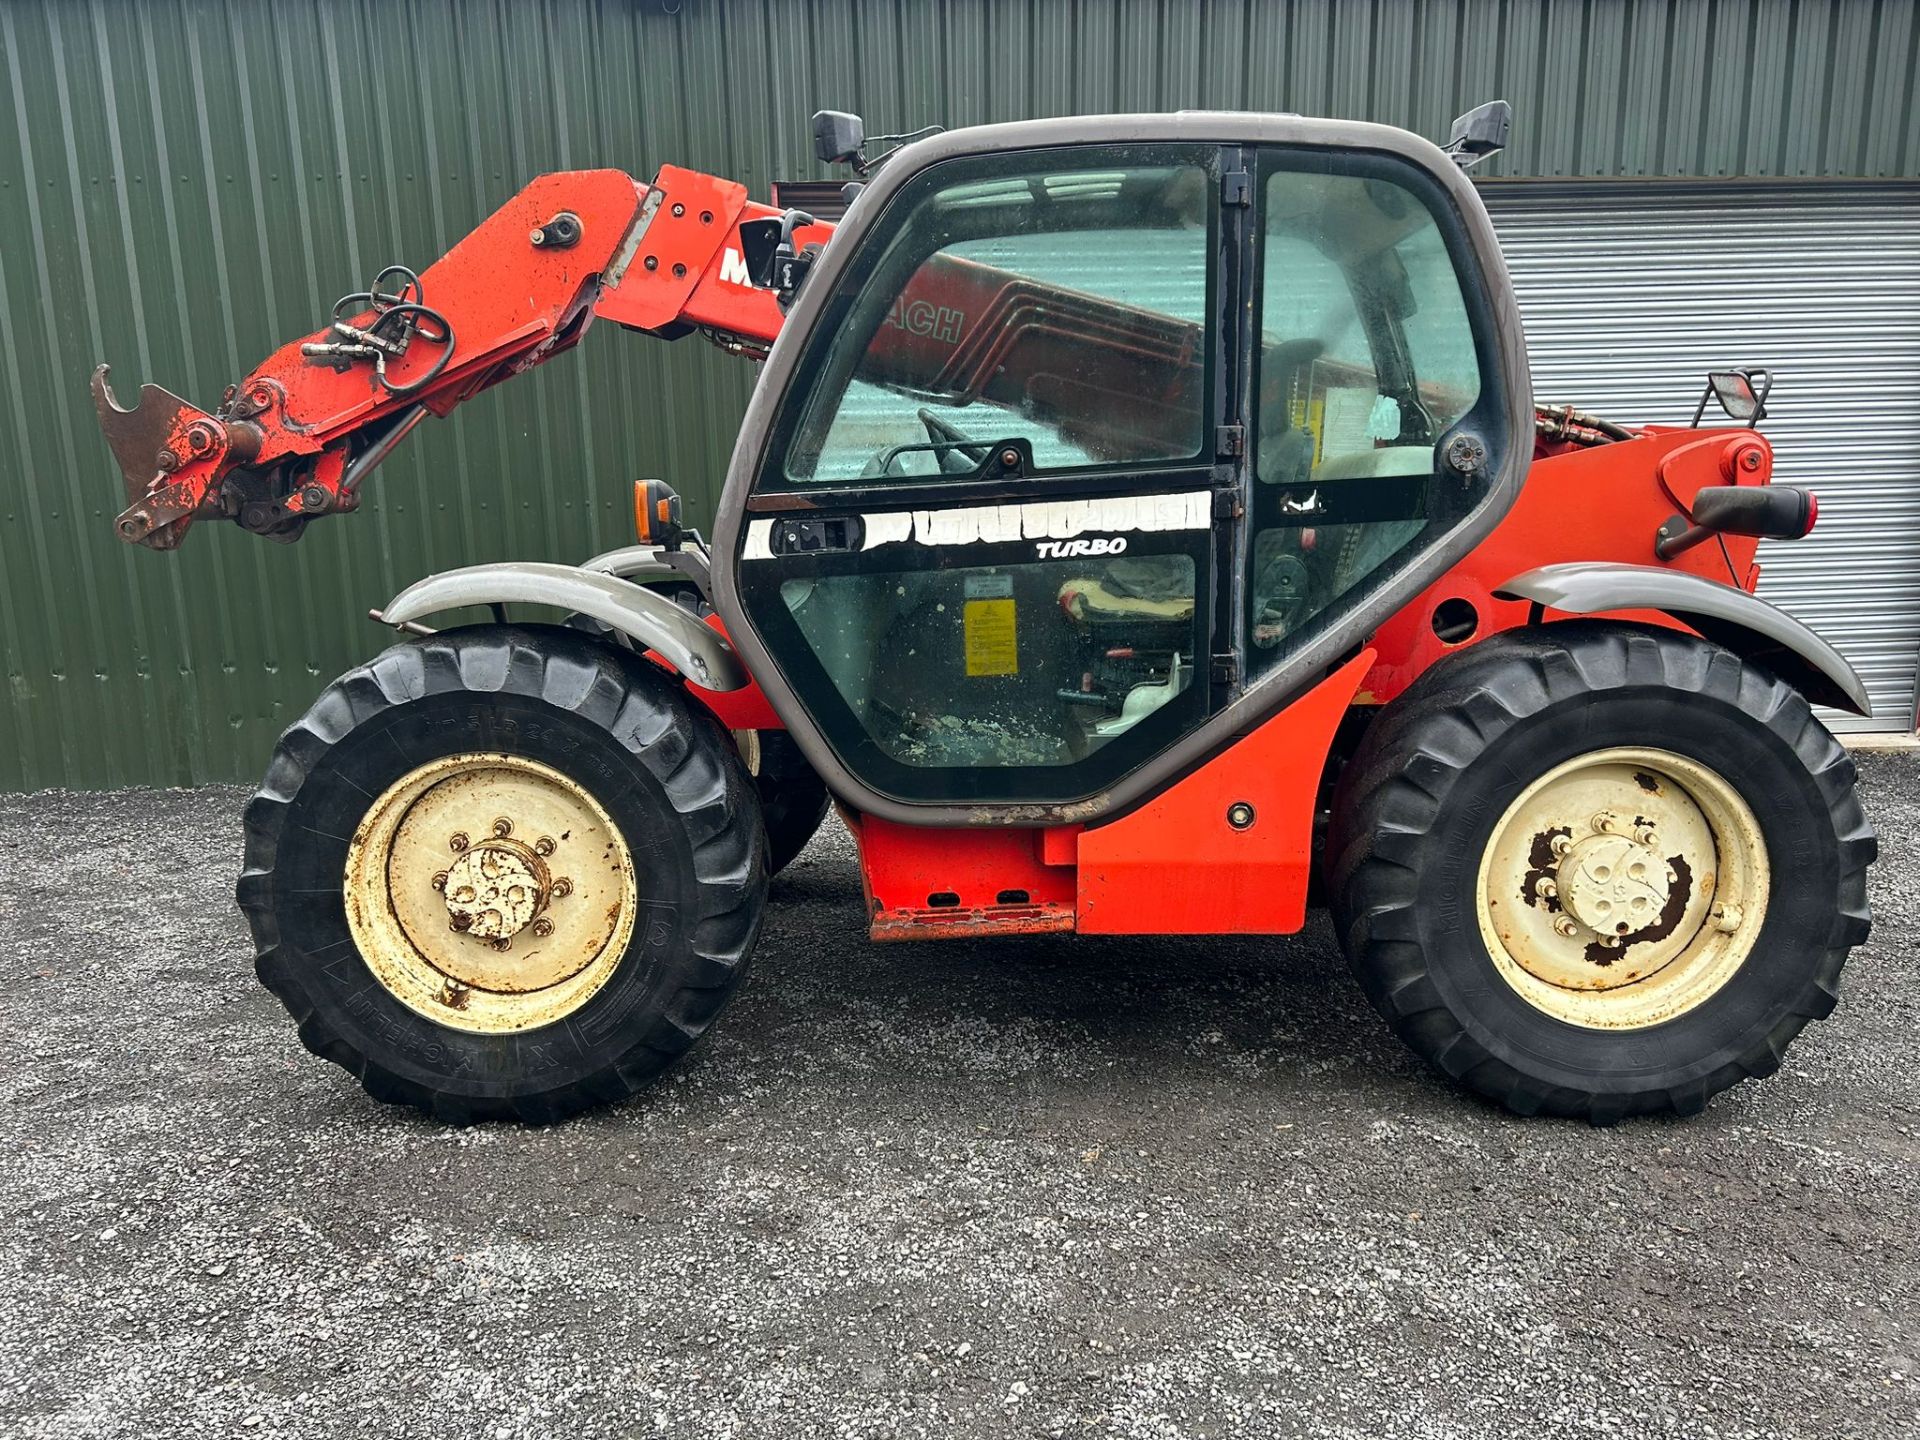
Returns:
(651, 621)
(633, 562)
(1729, 617)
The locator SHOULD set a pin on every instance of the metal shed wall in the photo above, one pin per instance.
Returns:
(184, 184)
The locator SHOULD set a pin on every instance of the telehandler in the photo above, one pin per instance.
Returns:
(1139, 522)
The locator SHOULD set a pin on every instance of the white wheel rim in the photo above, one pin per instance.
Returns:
(489, 892)
(1623, 888)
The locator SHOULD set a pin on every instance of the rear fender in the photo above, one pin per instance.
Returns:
(1729, 617)
(652, 621)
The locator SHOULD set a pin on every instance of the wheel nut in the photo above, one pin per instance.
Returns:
(543, 927)
(562, 888)
(543, 846)
(1546, 889)
(457, 841)
(1560, 845)
(1602, 823)
(501, 942)
(502, 828)
(460, 921)
(440, 881)
(1563, 925)
(1727, 917)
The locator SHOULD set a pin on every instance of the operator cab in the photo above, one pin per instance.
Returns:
(1088, 438)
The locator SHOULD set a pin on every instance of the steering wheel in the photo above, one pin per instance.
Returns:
(967, 453)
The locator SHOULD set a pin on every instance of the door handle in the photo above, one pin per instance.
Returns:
(815, 534)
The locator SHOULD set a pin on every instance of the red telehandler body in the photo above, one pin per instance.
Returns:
(1138, 521)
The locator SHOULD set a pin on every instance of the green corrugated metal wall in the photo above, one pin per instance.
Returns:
(185, 185)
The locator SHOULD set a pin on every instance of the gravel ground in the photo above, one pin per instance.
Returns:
(1140, 1188)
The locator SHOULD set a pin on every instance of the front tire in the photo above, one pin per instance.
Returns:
(504, 872)
(1599, 870)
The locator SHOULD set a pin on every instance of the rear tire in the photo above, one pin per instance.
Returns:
(1472, 976)
(667, 824)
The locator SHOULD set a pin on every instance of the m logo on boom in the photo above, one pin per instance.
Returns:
(1073, 549)
(733, 268)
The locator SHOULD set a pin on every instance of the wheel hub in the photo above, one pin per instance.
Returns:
(490, 892)
(1616, 885)
(494, 890)
(1622, 888)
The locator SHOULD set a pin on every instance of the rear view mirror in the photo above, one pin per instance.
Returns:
(1481, 132)
(1741, 393)
(1734, 390)
(838, 138)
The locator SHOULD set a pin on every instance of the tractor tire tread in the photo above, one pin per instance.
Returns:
(637, 705)
(1408, 763)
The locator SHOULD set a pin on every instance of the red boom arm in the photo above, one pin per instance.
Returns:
(294, 439)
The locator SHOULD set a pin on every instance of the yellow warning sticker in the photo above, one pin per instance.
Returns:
(992, 648)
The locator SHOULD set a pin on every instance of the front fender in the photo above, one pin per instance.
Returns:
(1724, 614)
(652, 621)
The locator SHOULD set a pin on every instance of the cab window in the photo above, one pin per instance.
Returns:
(1365, 357)
(1060, 305)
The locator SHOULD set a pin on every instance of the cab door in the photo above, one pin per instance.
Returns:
(982, 549)
(1093, 443)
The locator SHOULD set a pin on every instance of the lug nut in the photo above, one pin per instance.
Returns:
(461, 922)
(440, 880)
(502, 828)
(458, 841)
(543, 846)
(1564, 926)
(562, 888)
(1647, 836)
(543, 927)
(1727, 917)
(1602, 823)
(1560, 845)
(1546, 889)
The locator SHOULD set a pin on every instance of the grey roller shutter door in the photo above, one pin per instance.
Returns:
(1631, 292)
